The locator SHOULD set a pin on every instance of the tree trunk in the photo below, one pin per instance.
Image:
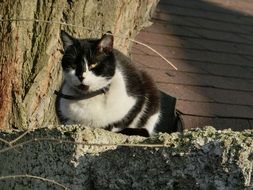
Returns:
(30, 49)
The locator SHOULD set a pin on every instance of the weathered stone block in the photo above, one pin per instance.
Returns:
(86, 158)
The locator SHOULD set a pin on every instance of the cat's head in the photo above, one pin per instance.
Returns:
(88, 64)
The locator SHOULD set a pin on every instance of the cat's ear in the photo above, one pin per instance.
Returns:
(66, 39)
(105, 44)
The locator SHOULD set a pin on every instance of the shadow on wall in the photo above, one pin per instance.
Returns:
(211, 43)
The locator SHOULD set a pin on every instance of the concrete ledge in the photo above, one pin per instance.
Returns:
(199, 159)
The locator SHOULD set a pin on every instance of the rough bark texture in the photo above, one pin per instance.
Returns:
(30, 51)
(200, 159)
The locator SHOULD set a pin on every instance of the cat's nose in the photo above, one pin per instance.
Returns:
(80, 77)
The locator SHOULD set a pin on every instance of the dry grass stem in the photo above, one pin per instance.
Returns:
(78, 143)
(9, 144)
(34, 177)
(5, 141)
(89, 29)
(152, 49)
(19, 137)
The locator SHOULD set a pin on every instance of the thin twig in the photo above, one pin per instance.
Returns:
(15, 140)
(5, 141)
(19, 137)
(48, 22)
(80, 143)
(89, 29)
(34, 177)
(152, 49)
(9, 144)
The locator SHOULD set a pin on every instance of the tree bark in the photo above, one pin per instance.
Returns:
(30, 49)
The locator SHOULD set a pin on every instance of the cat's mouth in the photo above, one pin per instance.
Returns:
(83, 87)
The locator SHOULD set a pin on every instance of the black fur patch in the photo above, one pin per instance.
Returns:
(137, 131)
(79, 50)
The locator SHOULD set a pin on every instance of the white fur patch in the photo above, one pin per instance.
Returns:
(94, 82)
(151, 123)
(137, 118)
(100, 110)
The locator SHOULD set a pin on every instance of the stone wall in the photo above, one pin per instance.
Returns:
(85, 158)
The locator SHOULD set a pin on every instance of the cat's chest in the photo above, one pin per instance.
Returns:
(103, 109)
(104, 104)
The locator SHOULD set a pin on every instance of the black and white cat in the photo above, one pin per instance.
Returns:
(102, 88)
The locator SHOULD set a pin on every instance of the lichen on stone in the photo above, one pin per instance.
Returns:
(194, 159)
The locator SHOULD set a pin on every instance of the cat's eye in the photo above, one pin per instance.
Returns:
(92, 66)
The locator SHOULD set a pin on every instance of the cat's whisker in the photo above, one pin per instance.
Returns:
(90, 53)
(71, 57)
(75, 50)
